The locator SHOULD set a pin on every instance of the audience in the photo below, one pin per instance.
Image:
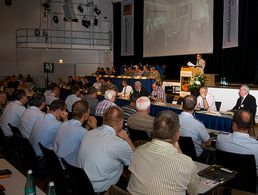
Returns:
(110, 98)
(190, 127)
(130, 109)
(105, 151)
(139, 89)
(53, 95)
(157, 94)
(155, 74)
(97, 84)
(92, 100)
(32, 114)
(74, 97)
(141, 120)
(70, 133)
(239, 141)
(13, 111)
(205, 100)
(3, 100)
(158, 167)
(127, 89)
(45, 129)
(145, 71)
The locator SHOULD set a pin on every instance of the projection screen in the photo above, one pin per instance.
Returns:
(177, 27)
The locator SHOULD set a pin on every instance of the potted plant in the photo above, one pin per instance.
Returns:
(196, 82)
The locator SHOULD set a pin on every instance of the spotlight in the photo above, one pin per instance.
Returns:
(97, 11)
(55, 19)
(46, 5)
(85, 22)
(8, 2)
(81, 10)
(89, 4)
(37, 32)
(66, 20)
(75, 20)
(95, 21)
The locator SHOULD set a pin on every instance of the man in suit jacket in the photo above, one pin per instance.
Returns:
(140, 90)
(246, 101)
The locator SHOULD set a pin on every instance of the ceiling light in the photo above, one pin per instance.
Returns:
(95, 21)
(85, 22)
(97, 11)
(55, 19)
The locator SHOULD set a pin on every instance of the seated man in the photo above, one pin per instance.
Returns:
(141, 120)
(157, 94)
(131, 108)
(158, 167)
(127, 89)
(44, 130)
(74, 97)
(110, 98)
(91, 98)
(239, 141)
(155, 74)
(32, 114)
(139, 89)
(190, 127)
(105, 151)
(205, 100)
(13, 111)
(70, 133)
(54, 95)
(246, 101)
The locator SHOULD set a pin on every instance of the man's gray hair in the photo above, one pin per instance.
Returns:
(109, 94)
(142, 103)
(245, 87)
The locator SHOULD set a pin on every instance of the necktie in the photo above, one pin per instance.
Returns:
(124, 90)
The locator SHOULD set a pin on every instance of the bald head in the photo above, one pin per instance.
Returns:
(242, 120)
(113, 117)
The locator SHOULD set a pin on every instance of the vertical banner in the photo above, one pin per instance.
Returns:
(127, 28)
(230, 23)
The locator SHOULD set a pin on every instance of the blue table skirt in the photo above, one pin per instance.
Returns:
(211, 122)
(146, 83)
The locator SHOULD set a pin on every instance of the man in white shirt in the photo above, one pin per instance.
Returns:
(32, 114)
(13, 111)
(74, 97)
(205, 100)
(54, 95)
(127, 89)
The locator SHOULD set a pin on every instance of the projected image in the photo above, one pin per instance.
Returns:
(177, 27)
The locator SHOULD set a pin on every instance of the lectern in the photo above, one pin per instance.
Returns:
(186, 74)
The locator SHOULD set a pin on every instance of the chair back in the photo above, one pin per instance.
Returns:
(115, 190)
(136, 135)
(244, 164)
(54, 169)
(187, 146)
(218, 105)
(80, 182)
(16, 132)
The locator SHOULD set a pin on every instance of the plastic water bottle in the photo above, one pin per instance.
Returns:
(30, 188)
(51, 188)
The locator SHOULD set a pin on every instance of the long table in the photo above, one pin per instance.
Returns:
(14, 184)
(221, 123)
(146, 83)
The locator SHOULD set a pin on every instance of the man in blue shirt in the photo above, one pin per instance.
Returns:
(239, 141)
(70, 133)
(191, 127)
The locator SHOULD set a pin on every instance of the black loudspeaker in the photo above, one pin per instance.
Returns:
(48, 67)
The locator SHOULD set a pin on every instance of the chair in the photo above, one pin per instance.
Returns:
(218, 105)
(16, 132)
(55, 170)
(81, 184)
(169, 98)
(244, 164)
(187, 146)
(136, 135)
(115, 190)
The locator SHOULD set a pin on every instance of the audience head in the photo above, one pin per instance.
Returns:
(152, 69)
(189, 103)
(92, 91)
(143, 104)
(242, 121)
(102, 80)
(85, 79)
(155, 86)
(58, 109)
(203, 91)
(38, 100)
(56, 91)
(110, 95)
(75, 90)
(80, 111)
(198, 56)
(244, 90)
(52, 85)
(113, 117)
(166, 126)
(20, 95)
(124, 83)
(137, 85)
(3, 98)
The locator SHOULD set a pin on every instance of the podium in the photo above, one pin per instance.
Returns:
(186, 74)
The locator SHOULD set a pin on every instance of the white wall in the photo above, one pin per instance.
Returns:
(26, 14)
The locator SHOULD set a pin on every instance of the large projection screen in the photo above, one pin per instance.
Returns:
(177, 27)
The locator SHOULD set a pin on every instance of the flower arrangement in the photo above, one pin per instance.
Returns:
(196, 82)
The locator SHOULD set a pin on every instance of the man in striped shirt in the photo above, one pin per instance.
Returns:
(158, 167)
(157, 94)
(110, 98)
(130, 109)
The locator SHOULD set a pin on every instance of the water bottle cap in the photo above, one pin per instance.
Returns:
(29, 171)
(51, 183)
